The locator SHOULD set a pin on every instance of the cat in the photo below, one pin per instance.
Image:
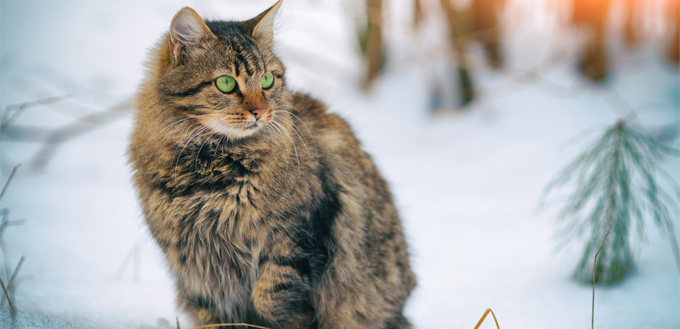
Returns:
(266, 208)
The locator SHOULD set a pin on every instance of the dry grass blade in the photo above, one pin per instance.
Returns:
(217, 325)
(592, 320)
(9, 180)
(488, 310)
(132, 257)
(10, 283)
(11, 306)
(4, 189)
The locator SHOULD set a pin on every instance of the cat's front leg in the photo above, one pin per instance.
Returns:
(281, 295)
(200, 309)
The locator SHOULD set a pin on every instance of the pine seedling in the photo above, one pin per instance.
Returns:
(615, 189)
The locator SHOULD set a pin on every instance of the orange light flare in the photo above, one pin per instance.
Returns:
(590, 12)
(657, 14)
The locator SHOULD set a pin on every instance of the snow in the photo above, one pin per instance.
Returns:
(467, 182)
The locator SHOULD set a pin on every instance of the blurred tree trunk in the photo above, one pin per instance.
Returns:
(487, 29)
(480, 21)
(374, 48)
(459, 29)
(592, 15)
(418, 15)
(629, 34)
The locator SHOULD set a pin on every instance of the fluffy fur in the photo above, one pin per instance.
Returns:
(279, 220)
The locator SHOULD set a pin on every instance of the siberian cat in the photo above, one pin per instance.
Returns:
(267, 209)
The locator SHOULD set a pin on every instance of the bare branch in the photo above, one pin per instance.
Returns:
(10, 283)
(20, 108)
(9, 180)
(7, 295)
(84, 125)
(26, 133)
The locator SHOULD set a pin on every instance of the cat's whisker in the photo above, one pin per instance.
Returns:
(188, 135)
(228, 136)
(290, 123)
(180, 121)
(224, 136)
(295, 130)
(285, 143)
(217, 147)
(179, 156)
(286, 133)
(311, 136)
(290, 107)
(198, 154)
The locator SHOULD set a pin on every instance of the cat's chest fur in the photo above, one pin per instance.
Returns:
(224, 205)
(220, 197)
(221, 209)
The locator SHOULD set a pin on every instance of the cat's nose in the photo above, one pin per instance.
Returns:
(258, 111)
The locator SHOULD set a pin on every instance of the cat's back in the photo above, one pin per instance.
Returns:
(339, 145)
(365, 194)
(332, 134)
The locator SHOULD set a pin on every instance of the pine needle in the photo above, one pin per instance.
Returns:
(614, 190)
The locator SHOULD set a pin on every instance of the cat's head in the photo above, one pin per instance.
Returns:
(221, 75)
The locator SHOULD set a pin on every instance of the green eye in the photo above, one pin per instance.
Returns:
(267, 81)
(225, 84)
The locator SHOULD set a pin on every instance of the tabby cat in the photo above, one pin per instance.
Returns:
(266, 208)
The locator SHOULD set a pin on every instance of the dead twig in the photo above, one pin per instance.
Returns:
(11, 306)
(20, 108)
(4, 223)
(26, 133)
(592, 321)
(9, 180)
(10, 283)
(217, 325)
(134, 257)
(84, 125)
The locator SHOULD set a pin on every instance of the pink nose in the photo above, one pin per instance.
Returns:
(258, 112)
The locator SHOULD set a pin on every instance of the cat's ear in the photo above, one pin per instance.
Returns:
(263, 24)
(186, 30)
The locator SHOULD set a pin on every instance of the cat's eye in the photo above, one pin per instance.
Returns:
(267, 81)
(225, 84)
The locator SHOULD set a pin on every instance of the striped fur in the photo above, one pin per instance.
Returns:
(283, 221)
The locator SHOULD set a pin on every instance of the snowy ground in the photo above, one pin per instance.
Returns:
(467, 182)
